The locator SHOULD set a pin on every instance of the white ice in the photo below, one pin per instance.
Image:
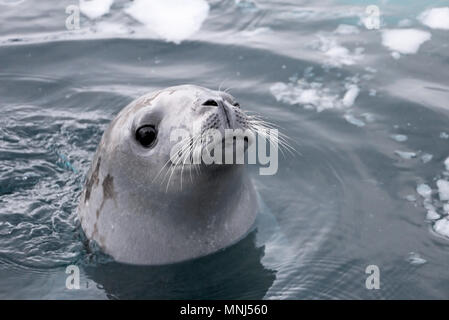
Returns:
(443, 189)
(406, 154)
(435, 18)
(350, 96)
(353, 120)
(442, 227)
(405, 41)
(172, 20)
(94, 9)
(399, 137)
(424, 190)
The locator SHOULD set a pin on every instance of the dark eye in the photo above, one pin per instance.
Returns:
(210, 102)
(146, 135)
(236, 104)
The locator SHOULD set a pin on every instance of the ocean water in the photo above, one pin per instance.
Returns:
(364, 100)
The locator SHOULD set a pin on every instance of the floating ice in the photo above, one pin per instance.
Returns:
(410, 198)
(172, 20)
(432, 215)
(310, 95)
(399, 137)
(442, 227)
(346, 29)
(353, 120)
(446, 163)
(426, 157)
(94, 9)
(350, 96)
(415, 259)
(337, 54)
(443, 189)
(435, 18)
(444, 135)
(406, 154)
(424, 190)
(405, 41)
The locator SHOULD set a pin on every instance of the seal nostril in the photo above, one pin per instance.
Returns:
(210, 102)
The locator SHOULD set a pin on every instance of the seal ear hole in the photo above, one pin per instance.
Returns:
(210, 102)
(146, 135)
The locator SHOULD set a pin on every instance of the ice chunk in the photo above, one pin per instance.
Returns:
(415, 259)
(172, 20)
(443, 189)
(444, 135)
(432, 215)
(424, 190)
(442, 227)
(406, 154)
(446, 163)
(405, 41)
(435, 18)
(94, 9)
(337, 54)
(399, 137)
(426, 157)
(353, 120)
(350, 96)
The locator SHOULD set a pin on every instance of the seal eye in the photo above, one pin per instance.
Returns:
(210, 102)
(146, 135)
(236, 105)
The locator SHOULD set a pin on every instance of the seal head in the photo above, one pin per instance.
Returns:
(143, 207)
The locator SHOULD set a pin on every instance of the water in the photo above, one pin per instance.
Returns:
(369, 115)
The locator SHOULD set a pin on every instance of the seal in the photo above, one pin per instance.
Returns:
(143, 207)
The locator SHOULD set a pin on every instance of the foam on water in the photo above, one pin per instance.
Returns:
(435, 18)
(171, 20)
(405, 41)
